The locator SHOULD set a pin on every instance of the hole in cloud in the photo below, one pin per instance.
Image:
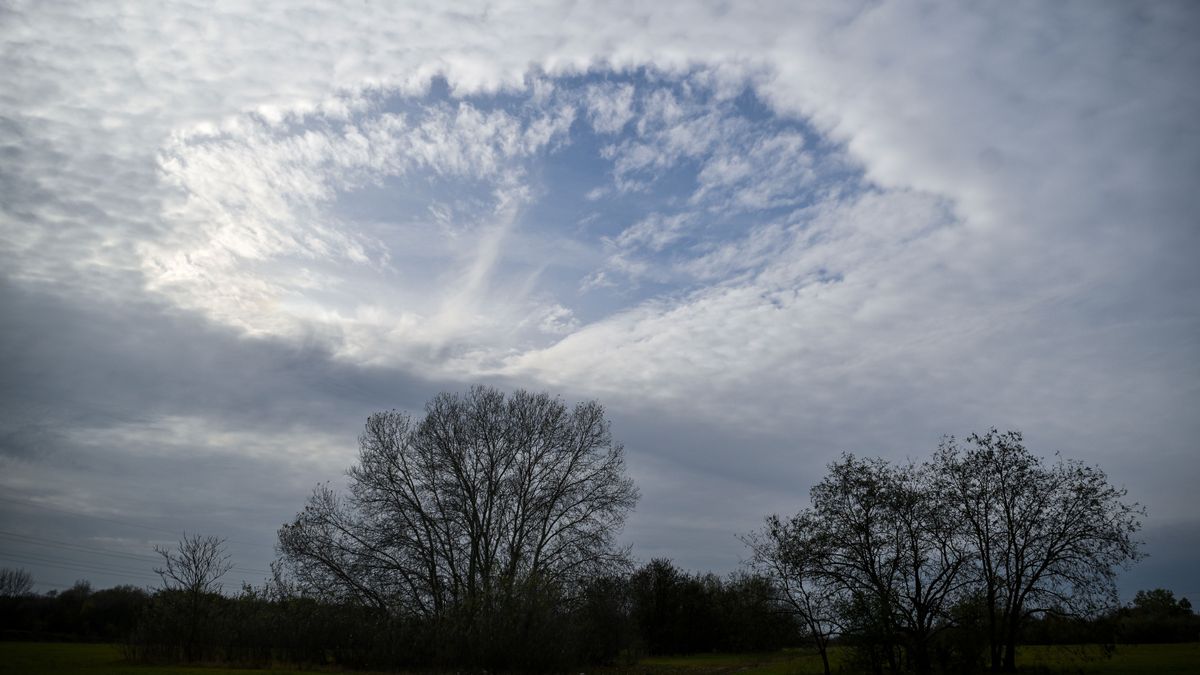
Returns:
(471, 234)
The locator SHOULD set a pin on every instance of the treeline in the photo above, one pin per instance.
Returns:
(657, 609)
(75, 614)
(1154, 617)
(673, 612)
(611, 620)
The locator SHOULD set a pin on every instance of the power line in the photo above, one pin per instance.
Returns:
(85, 567)
(99, 567)
(51, 583)
(74, 566)
(51, 543)
(42, 541)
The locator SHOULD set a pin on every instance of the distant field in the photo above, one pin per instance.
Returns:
(790, 662)
(1170, 659)
(1174, 659)
(41, 658)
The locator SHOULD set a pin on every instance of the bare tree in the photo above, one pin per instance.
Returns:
(485, 497)
(1047, 537)
(790, 553)
(15, 582)
(195, 565)
(193, 569)
(987, 520)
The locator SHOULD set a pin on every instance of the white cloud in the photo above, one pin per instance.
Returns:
(654, 232)
(557, 320)
(847, 271)
(766, 172)
(256, 200)
(935, 115)
(610, 107)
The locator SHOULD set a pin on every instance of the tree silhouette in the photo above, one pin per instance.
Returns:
(15, 583)
(485, 504)
(192, 571)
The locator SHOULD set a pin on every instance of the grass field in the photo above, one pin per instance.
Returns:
(790, 662)
(44, 658)
(1169, 659)
(28, 658)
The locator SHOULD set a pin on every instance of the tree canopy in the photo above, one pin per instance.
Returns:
(488, 501)
(895, 555)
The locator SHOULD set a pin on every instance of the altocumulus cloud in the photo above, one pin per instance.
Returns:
(761, 234)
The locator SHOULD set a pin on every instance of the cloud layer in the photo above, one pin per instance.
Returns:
(762, 234)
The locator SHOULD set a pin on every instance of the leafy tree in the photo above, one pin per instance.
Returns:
(1160, 602)
(658, 607)
(750, 615)
(1155, 616)
(676, 612)
(113, 613)
(605, 631)
(66, 615)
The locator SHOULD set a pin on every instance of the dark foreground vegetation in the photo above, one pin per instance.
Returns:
(658, 612)
(24, 658)
(482, 537)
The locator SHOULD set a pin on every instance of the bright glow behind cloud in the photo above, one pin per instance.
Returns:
(255, 239)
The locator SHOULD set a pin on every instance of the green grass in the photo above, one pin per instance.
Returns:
(787, 662)
(30, 658)
(1169, 659)
(44, 658)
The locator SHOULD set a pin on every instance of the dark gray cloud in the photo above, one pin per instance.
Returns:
(156, 418)
(89, 362)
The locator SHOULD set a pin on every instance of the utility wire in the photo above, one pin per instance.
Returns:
(42, 541)
(51, 583)
(79, 566)
(73, 566)
(53, 543)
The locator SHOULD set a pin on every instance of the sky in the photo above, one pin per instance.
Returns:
(761, 234)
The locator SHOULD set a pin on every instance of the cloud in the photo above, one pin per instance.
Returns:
(834, 274)
(825, 226)
(610, 107)
(255, 237)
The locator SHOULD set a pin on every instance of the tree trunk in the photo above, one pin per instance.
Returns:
(921, 664)
(1010, 642)
(1010, 658)
(993, 631)
(824, 657)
